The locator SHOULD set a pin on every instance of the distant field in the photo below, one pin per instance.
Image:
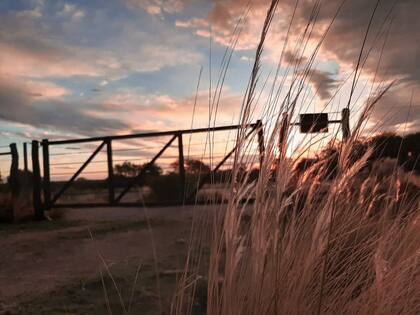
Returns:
(137, 194)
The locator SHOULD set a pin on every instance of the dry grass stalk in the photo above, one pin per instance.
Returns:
(336, 237)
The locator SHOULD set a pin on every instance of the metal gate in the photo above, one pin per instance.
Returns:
(45, 198)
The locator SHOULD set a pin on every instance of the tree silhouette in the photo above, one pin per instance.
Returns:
(192, 167)
(151, 169)
(128, 169)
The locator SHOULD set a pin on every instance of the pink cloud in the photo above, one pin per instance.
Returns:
(39, 64)
(155, 7)
(42, 90)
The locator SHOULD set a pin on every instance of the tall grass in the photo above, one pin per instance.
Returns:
(337, 237)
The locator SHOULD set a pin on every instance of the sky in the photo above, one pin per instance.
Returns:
(77, 68)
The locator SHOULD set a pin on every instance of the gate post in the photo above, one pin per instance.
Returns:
(25, 157)
(111, 189)
(14, 179)
(345, 123)
(284, 129)
(261, 147)
(14, 170)
(47, 179)
(181, 166)
(39, 211)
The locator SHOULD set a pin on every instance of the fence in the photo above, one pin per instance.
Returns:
(9, 184)
(49, 192)
(11, 153)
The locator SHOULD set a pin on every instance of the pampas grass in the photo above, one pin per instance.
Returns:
(335, 236)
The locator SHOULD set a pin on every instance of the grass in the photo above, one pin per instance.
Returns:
(339, 237)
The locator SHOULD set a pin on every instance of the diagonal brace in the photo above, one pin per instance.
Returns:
(219, 165)
(141, 173)
(73, 178)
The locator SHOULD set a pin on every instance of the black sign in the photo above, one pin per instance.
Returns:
(313, 123)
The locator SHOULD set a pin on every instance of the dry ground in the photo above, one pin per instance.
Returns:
(55, 267)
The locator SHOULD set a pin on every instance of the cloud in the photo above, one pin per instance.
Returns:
(19, 105)
(72, 11)
(399, 59)
(164, 112)
(25, 50)
(223, 18)
(45, 90)
(41, 49)
(399, 110)
(323, 83)
(156, 7)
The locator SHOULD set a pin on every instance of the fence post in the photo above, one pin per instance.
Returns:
(111, 189)
(345, 123)
(181, 166)
(14, 169)
(14, 178)
(47, 178)
(39, 212)
(25, 157)
(284, 128)
(261, 147)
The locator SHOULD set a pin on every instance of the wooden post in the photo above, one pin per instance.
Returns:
(261, 147)
(345, 123)
(47, 179)
(39, 212)
(14, 169)
(284, 127)
(111, 189)
(25, 157)
(14, 179)
(181, 167)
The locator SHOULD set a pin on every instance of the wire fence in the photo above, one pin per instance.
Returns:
(121, 169)
(65, 162)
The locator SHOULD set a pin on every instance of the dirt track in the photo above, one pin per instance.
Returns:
(40, 258)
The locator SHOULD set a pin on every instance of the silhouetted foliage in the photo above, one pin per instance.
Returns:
(128, 169)
(404, 150)
(192, 166)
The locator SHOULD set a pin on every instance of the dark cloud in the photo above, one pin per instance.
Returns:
(16, 105)
(398, 110)
(402, 50)
(398, 60)
(323, 83)
(292, 59)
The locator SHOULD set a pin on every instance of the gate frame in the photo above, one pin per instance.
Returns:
(50, 201)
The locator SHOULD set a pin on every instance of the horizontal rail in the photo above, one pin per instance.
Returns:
(151, 134)
(6, 153)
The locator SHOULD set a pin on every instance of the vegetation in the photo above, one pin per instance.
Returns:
(334, 234)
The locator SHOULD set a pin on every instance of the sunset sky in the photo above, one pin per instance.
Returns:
(98, 67)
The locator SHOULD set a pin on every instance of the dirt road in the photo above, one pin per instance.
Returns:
(55, 267)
